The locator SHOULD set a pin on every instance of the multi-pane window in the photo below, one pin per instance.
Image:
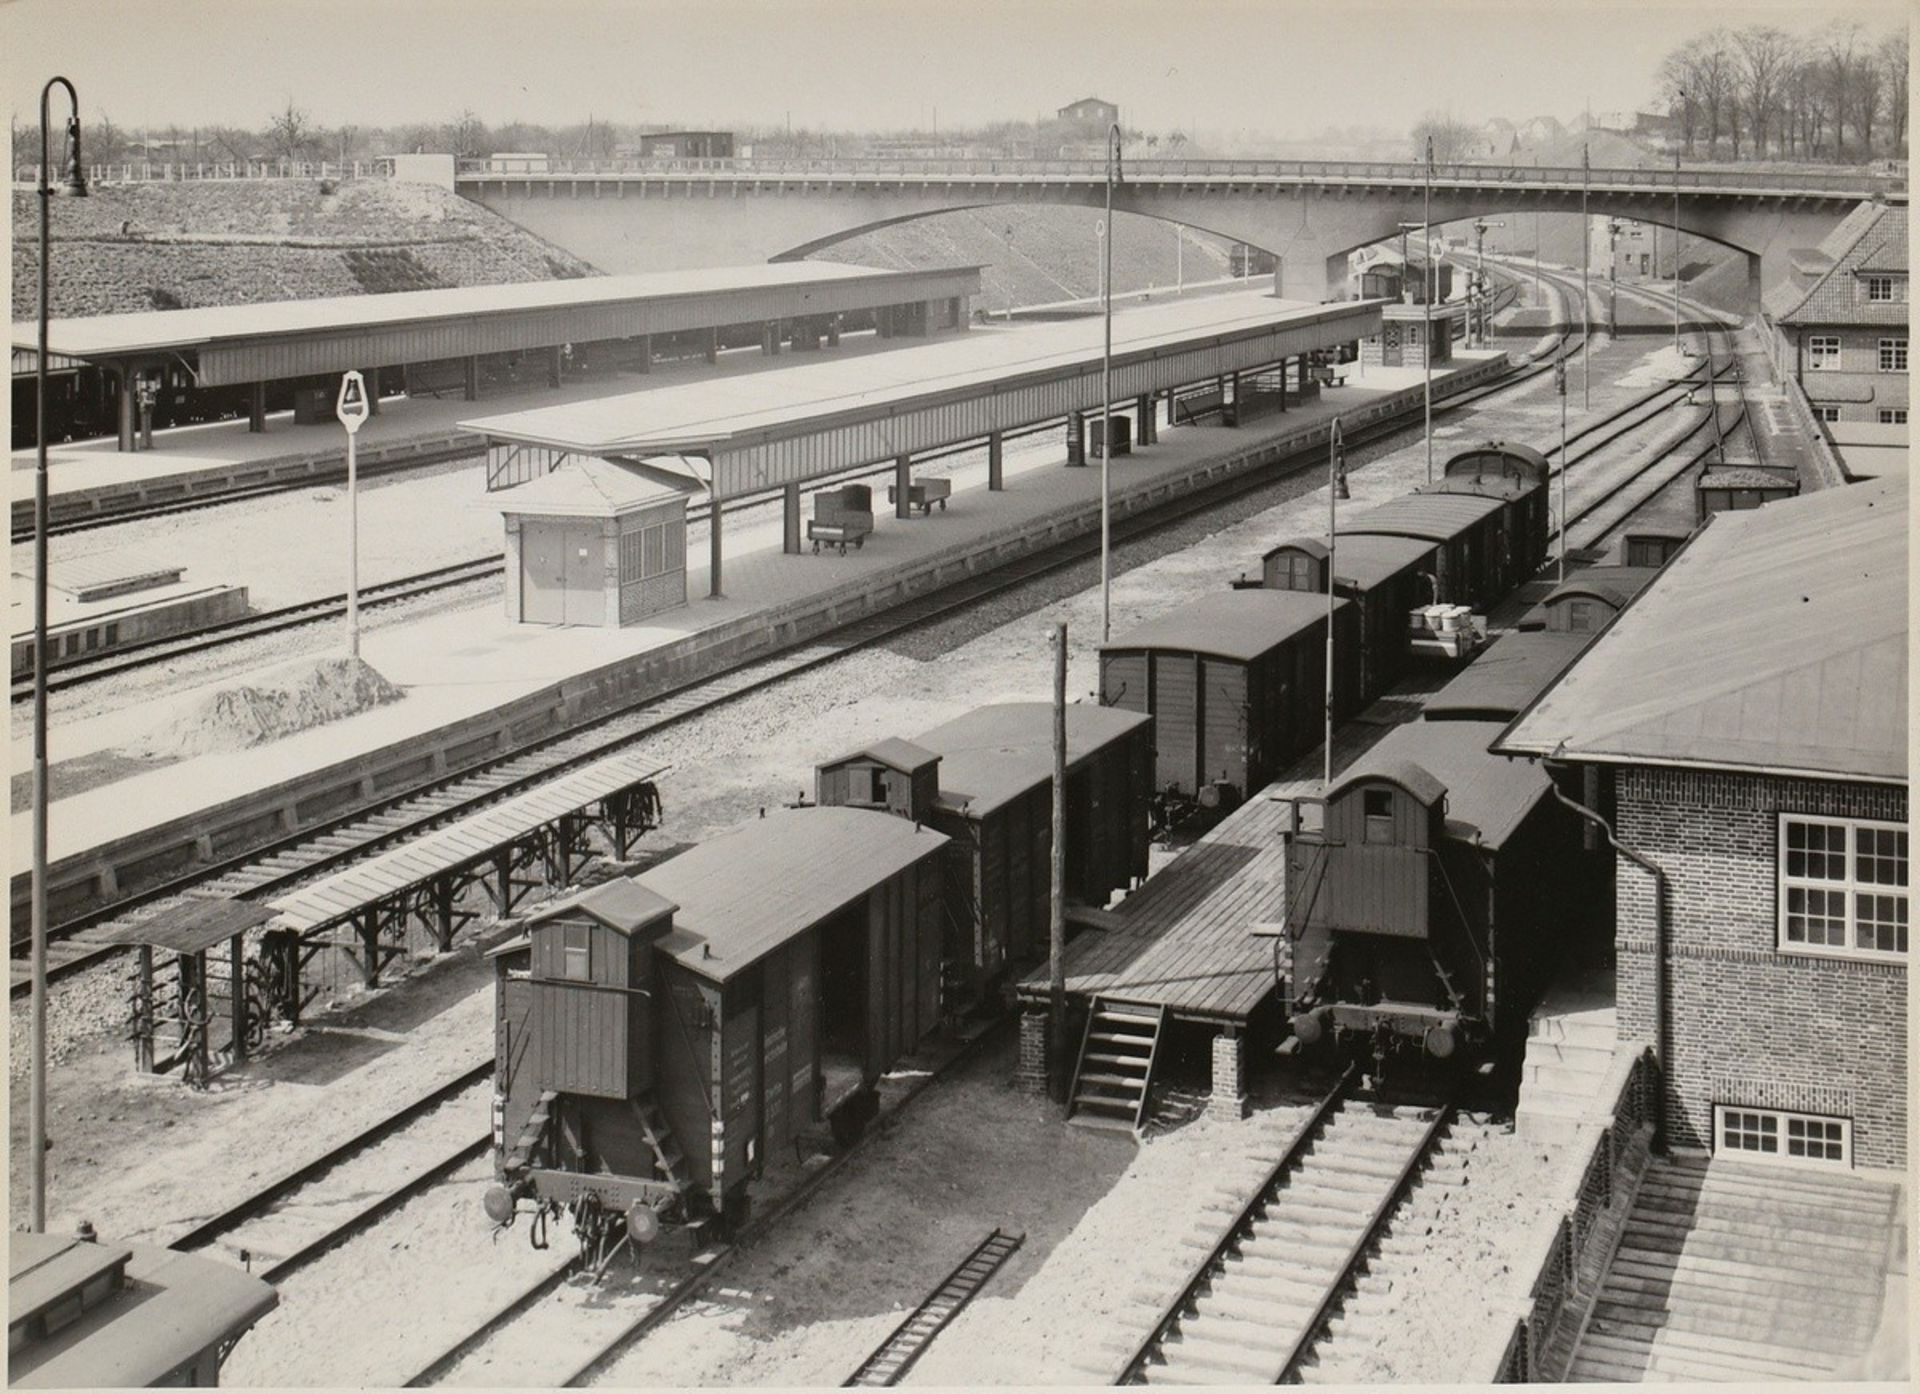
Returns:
(1893, 416)
(1886, 289)
(1893, 355)
(1774, 1135)
(1295, 572)
(1580, 616)
(1823, 351)
(1843, 887)
(1827, 414)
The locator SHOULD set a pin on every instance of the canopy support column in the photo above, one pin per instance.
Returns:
(995, 449)
(713, 345)
(790, 519)
(713, 547)
(473, 377)
(126, 374)
(257, 408)
(1076, 438)
(902, 487)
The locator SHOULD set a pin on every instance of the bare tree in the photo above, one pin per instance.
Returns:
(1867, 92)
(1839, 67)
(1711, 64)
(1893, 60)
(1678, 84)
(291, 133)
(1453, 141)
(1765, 56)
(467, 135)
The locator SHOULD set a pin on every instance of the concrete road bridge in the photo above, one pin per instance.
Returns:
(657, 215)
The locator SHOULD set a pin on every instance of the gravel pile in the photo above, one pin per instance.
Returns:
(295, 697)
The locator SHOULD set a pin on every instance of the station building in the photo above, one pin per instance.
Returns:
(1747, 714)
(1840, 322)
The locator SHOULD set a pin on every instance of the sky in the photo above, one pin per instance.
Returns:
(1277, 67)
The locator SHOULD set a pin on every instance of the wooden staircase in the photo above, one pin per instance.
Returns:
(1737, 1271)
(1115, 1069)
(668, 1159)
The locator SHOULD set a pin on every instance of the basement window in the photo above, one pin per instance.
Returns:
(1775, 1135)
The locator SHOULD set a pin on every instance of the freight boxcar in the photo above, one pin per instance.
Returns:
(1429, 895)
(1466, 531)
(1517, 475)
(985, 779)
(1586, 602)
(1384, 577)
(1235, 684)
(660, 1037)
(1503, 680)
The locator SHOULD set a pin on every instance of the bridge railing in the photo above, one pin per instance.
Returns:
(1856, 183)
(176, 171)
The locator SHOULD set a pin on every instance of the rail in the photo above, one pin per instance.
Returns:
(1849, 184)
(1570, 1250)
(1236, 1230)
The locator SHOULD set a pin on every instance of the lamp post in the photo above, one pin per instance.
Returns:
(1560, 386)
(1480, 227)
(352, 409)
(1613, 278)
(1336, 490)
(1106, 392)
(73, 181)
(1586, 261)
(1676, 250)
(1426, 311)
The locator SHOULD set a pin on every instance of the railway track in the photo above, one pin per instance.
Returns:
(339, 1199)
(597, 1349)
(278, 867)
(1264, 1288)
(909, 1341)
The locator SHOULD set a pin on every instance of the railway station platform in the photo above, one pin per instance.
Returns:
(478, 686)
(96, 477)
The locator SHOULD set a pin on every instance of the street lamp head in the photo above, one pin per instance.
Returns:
(73, 176)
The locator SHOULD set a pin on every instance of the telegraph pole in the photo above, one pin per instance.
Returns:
(1057, 901)
(1426, 323)
(1586, 261)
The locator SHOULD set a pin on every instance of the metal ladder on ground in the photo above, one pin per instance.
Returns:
(912, 1337)
(1114, 1073)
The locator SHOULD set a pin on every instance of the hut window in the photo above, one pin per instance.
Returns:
(1296, 572)
(876, 786)
(1377, 805)
(576, 952)
(1580, 616)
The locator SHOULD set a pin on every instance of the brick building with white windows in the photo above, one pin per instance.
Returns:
(1747, 712)
(1840, 320)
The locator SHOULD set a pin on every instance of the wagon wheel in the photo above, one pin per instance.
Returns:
(816, 546)
(194, 1018)
(858, 543)
(943, 505)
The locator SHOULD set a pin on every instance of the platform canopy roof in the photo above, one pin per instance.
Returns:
(745, 893)
(274, 340)
(1775, 642)
(765, 430)
(168, 1310)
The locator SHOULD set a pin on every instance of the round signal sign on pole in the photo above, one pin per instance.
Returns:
(352, 406)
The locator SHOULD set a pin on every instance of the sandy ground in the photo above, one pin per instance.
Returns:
(142, 1157)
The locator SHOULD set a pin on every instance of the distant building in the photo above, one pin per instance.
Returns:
(1743, 723)
(686, 145)
(1840, 319)
(1089, 111)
